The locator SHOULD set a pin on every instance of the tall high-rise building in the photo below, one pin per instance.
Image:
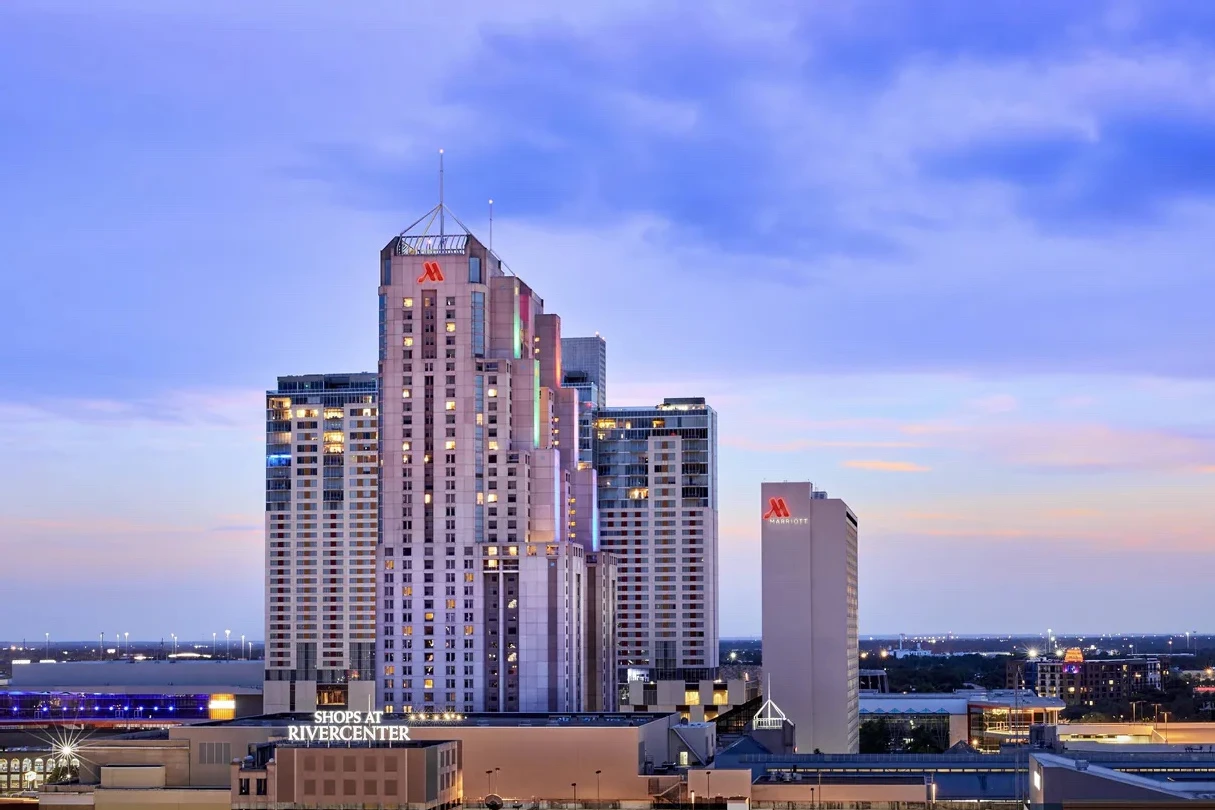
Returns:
(482, 559)
(321, 479)
(811, 658)
(657, 481)
(584, 367)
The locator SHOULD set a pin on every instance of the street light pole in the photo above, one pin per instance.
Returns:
(598, 795)
(574, 785)
(213, 635)
(242, 646)
(127, 642)
(708, 785)
(228, 644)
(48, 645)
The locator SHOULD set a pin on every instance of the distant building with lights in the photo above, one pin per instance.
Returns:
(584, 368)
(810, 642)
(1085, 682)
(321, 510)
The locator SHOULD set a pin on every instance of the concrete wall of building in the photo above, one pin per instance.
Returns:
(133, 776)
(143, 798)
(543, 761)
(725, 782)
(208, 758)
(811, 792)
(809, 615)
(538, 761)
(959, 728)
(1064, 786)
(174, 756)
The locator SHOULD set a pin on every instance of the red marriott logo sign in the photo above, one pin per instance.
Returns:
(778, 513)
(430, 272)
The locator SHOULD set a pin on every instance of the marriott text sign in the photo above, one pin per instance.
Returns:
(778, 513)
(348, 727)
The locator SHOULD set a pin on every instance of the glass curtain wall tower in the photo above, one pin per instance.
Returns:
(321, 480)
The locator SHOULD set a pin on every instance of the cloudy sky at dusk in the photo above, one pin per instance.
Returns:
(949, 260)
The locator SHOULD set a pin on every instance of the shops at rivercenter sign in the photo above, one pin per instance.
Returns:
(348, 727)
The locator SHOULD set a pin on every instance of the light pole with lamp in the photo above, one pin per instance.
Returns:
(496, 779)
(48, 645)
(598, 795)
(126, 640)
(708, 785)
(574, 785)
(174, 635)
(101, 647)
(228, 644)
(489, 781)
(242, 646)
(213, 635)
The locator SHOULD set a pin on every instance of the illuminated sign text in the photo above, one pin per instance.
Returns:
(778, 513)
(331, 726)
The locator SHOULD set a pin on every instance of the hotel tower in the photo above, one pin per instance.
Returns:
(321, 474)
(482, 560)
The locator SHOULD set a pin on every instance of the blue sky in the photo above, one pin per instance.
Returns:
(948, 260)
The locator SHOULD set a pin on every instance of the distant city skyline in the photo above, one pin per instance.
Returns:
(951, 267)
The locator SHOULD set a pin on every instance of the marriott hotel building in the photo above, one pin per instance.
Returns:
(482, 564)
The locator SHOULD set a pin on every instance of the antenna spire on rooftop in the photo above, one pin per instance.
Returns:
(441, 206)
(491, 225)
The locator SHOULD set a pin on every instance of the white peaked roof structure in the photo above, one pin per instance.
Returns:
(769, 715)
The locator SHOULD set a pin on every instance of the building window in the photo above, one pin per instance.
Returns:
(474, 270)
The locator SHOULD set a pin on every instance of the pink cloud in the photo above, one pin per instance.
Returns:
(796, 445)
(887, 466)
(996, 403)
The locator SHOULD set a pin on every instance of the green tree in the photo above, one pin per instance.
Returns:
(923, 741)
(875, 737)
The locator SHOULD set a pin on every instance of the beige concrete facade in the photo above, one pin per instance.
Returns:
(809, 563)
(696, 702)
(420, 777)
(531, 756)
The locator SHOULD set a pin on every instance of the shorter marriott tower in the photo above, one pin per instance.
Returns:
(810, 614)
(321, 471)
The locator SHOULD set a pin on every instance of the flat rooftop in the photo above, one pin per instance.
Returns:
(503, 720)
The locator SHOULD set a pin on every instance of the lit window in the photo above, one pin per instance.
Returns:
(451, 327)
(493, 392)
(468, 629)
(426, 498)
(493, 445)
(405, 393)
(449, 445)
(428, 683)
(408, 340)
(450, 405)
(408, 302)
(493, 497)
(492, 551)
(405, 446)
